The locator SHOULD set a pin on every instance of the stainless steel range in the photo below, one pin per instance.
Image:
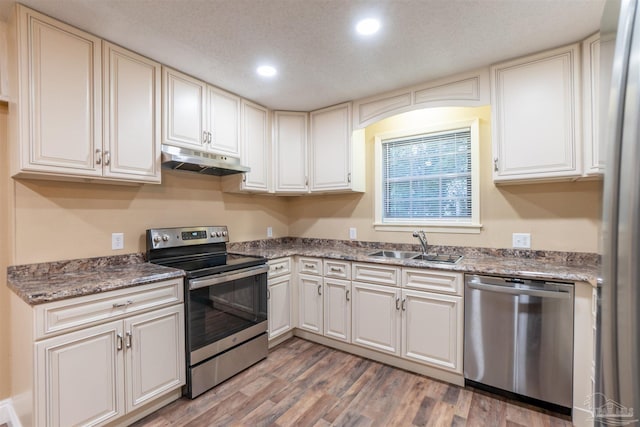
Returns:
(225, 298)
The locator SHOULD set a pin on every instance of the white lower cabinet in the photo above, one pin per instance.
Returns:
(337, 309)
(279, 306)
(310, 300)
(375, 321)
(94, 375)
(432, 329)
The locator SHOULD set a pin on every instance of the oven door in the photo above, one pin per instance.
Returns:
(225, 310)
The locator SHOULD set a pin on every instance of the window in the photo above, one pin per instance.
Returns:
(428, 178)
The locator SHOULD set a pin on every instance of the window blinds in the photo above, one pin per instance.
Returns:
(427, 177)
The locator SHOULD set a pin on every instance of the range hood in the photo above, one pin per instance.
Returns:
(200, 162)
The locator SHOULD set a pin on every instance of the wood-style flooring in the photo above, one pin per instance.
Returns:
(305, 384)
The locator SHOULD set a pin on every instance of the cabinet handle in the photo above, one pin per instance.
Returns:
(349, 177)
(107, 158)
(98, 156)
(335, 269)
(319, 289)
(308, 266)
(279, 267)
(397, 303)
(348, 295)
(306, 181)
(244, 177)
(495, 164)
(119, 342)
(129, 339)
(210, 137)
(404, 306)
(205, 137)
(268, 294)
(122, 304)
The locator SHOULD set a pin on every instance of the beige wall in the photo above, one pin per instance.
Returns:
(559, 216)
(5, 256)
(61, 220)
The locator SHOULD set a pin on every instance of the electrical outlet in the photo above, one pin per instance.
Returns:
(269, 232)
(522, 240)
(117, 241)
(353, 233)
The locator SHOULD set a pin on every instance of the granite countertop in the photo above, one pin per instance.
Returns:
(47, 282)
(533, 264)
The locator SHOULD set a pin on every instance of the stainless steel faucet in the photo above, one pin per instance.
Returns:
(421, 235)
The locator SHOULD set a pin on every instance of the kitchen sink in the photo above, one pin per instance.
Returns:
(395, 254)
(449, 259)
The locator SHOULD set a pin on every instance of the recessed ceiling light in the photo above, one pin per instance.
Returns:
(266, 71)
(368, 26)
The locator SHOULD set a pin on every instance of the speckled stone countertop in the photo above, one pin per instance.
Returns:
(46, 282)
(534, 264)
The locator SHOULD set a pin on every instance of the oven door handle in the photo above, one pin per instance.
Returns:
(227, 276)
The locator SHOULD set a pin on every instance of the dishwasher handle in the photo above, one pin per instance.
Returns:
(518, 291)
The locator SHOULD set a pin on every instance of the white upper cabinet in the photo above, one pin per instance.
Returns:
(224, 122)
(255, 142)
(290, 152)
(199, 116)
(183, 110)
(595, 90)
(59, 96)
(332, 156)
(536, 117)
(61, 78)
(132, 115)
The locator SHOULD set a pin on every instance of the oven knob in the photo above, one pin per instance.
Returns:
(157, 238)
(213, 234)
(165, 238)
(224, 233)
(218, 233)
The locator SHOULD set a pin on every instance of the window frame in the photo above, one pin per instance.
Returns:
(430, 225)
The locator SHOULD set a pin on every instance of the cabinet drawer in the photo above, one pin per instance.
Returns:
(91, 309)
(374, 273)
(432, 280)
(310, 266)
(337, 269)
(279, 267)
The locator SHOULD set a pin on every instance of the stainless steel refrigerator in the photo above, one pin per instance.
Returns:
(616, 400)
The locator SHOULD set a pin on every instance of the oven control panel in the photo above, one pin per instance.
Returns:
(158, 238)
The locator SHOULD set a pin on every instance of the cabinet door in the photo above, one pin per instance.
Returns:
(60, 97)
(255, 140)
(330, 148)
(132, 115)
(432, 329)
(337, 309)
(290, 152)
(155, 354)
(375, 317)
(536, 120)
(279, 306)
(79, 377)
(310, 303)
(224, 121)
(183, 110)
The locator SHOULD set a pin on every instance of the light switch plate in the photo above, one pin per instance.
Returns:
(269, 232)
(117, 241)
(522, 240)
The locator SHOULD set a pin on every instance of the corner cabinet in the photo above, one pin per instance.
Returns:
(336, 160)
(94, 359)
(59, 131)
(255, 140)
(199, 116)
(536, 126)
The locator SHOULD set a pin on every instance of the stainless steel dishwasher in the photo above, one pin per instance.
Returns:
(518, 339)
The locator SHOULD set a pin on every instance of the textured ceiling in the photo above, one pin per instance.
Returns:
(320, 59)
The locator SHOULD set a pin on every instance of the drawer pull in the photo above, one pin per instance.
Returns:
(122, 304)
(279, 267)
(119, 342)
(129, 339)
(335, 269)
(309, 266)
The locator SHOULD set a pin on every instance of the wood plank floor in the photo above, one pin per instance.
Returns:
(305, 384)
